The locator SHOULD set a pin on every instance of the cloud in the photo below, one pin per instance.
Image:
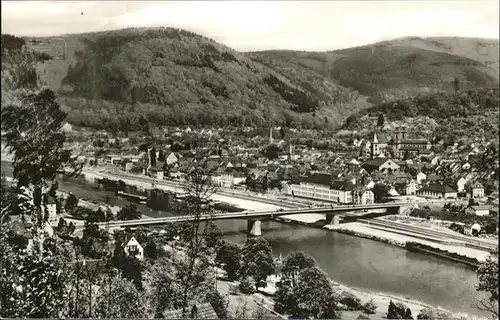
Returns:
(259, 25)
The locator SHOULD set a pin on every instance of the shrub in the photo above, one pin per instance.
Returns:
(398, 311)
(352, 302)
(370, 307)
(246, 286)
(434, 314)
(233, 289)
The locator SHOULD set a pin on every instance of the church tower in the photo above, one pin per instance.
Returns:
(400, 134)
(375, 147)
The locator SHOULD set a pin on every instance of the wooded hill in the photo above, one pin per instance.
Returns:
(175, 77)
(466, 114)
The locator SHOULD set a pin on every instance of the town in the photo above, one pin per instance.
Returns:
(154, 172)
(446, 190)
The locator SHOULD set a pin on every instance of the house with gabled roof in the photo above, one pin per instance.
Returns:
(171, 159)
(132, 247)
(478, 210)
(380, 164)
(420, 177)
(406, 187)
(476, 190)
(363, 195)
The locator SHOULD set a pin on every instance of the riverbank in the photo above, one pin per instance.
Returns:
(263, 298)
(244, 204)
(394, 237)
(380, 299)
(365, 231)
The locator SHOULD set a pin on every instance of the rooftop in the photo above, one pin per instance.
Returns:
(414, 141)
(477, 208)
(439, 188)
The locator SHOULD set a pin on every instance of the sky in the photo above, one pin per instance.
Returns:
(263, 25)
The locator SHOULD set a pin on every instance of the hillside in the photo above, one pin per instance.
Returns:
(470, 115)
(399, 68)
(175, 77)
(482, 50)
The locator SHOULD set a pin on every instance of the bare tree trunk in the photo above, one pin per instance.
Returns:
(199, 189)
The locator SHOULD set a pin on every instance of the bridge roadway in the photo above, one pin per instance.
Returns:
(253, 216)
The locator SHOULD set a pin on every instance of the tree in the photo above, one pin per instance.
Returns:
(161, 156)
(109, 215)
(197, 265)
(285, 299)
(295, 262)
(407, 314)
(100, 216)
(33, 279)
(33, 132)
(312, 290)
(472, 202)
(119, 298)
(246, 286)
(272, 151)
(176, 147)
(370, 307)
(151, 251)
(229, 256)
(213, 235)
(152, 155)
(25, 277)
(283, 133)
(456, 84)
(132, 271)
(398, 311)
(381, 120)
(487, 274)
(257, 261)
(351, 301)
(144, 126)
(379, 191)
(94, 241)
(167, 291)
(434, 314)
(128, 213)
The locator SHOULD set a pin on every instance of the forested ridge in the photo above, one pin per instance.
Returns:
(465, 114)
(174, 77)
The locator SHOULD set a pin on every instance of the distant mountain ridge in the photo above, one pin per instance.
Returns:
(176, 77)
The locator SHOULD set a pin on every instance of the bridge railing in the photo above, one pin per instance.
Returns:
(256, 214)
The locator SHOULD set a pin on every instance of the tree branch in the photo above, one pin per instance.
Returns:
(488, 306)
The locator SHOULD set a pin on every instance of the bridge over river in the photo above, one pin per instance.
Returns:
(254, 218)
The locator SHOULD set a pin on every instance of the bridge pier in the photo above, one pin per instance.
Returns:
(332, 219)
(254, 228)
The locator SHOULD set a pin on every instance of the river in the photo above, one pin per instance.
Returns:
(360, 263)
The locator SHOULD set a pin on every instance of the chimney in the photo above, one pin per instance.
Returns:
(271, 135)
